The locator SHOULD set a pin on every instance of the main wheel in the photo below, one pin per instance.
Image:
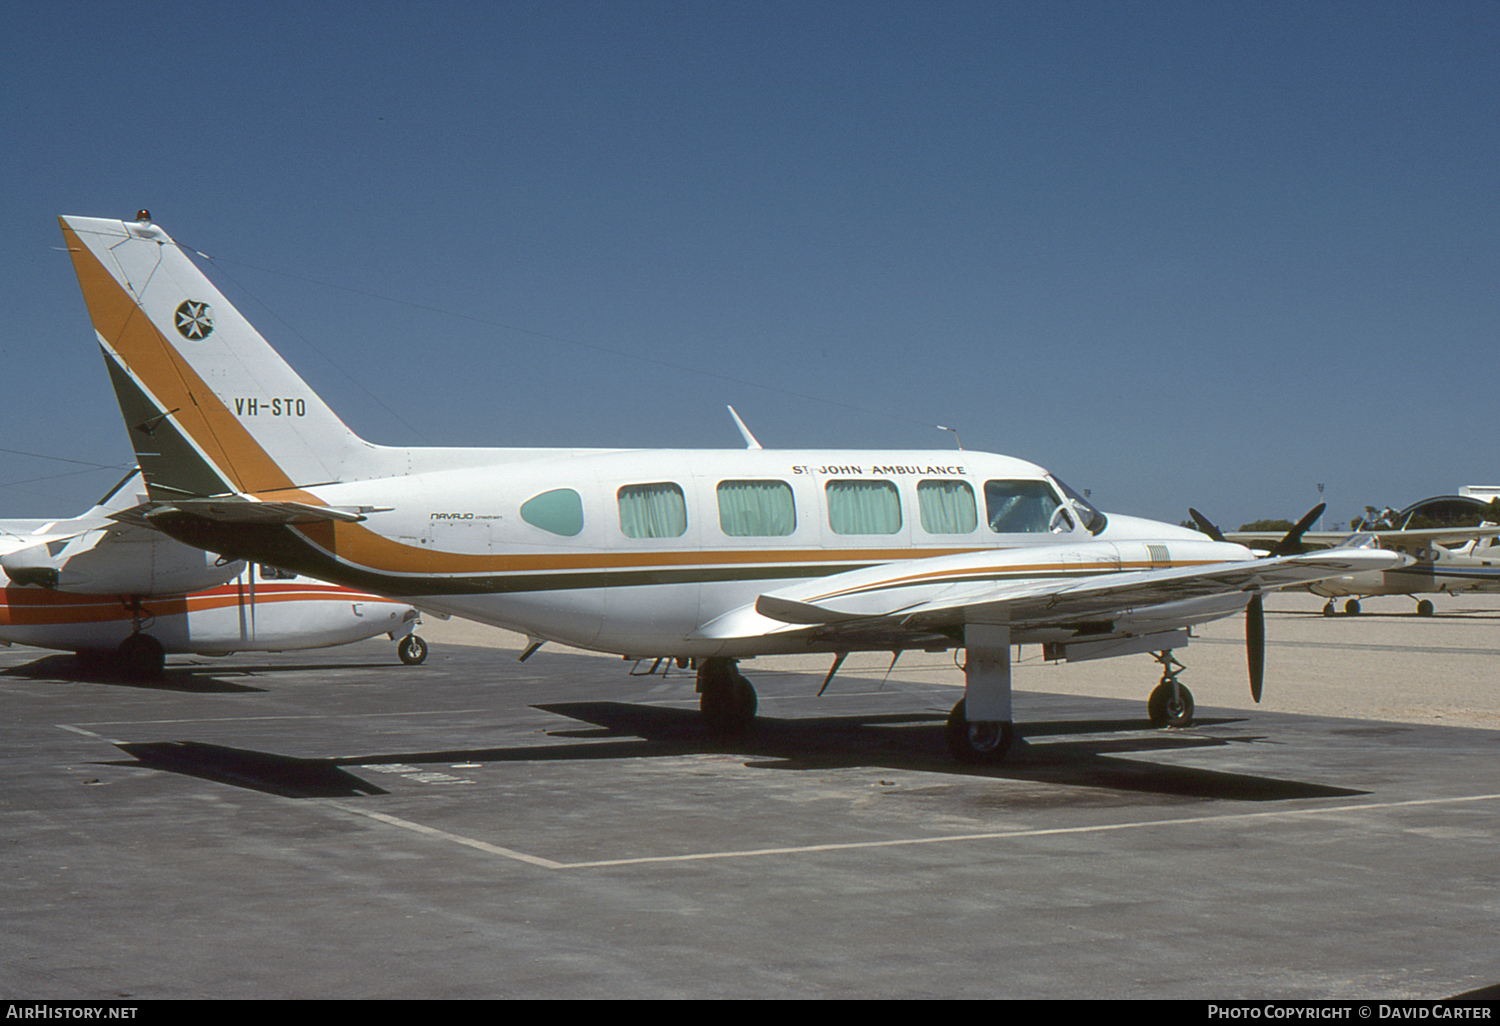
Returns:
(1352, 607)
(1424, 607)
(412, 650)
(982, 742)
(1167, 710)
(726, 699)
(1328, 608)
(141, 657)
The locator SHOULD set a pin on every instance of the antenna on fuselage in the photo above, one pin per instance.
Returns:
(750, 442)
(958, 441)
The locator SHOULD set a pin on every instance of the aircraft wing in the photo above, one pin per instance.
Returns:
(1400, 541)
(905, 602)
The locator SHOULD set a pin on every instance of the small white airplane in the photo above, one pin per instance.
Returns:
(1440, 561)
(700, 556)
(127, 595)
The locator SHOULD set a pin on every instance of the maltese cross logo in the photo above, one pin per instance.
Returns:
(195, 320)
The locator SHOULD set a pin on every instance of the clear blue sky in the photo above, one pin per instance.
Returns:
(1179, 253)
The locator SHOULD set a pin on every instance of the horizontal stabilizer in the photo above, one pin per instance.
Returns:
(240, 510)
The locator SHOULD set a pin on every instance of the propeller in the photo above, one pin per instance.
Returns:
(1204, 525)
(1291, 544)
(1255, 645)
(1255, 611)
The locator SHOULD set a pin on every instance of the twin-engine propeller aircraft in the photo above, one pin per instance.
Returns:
(1449, 560)
(126, 595)
(702, 556)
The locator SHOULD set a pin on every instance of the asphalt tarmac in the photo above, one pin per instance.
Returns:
(337, 825)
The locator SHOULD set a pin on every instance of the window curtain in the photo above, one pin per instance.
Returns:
(863, 507)
(756, 509)
(652, 511)
(947, 507)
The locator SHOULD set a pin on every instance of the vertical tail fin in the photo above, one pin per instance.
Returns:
(211, 408)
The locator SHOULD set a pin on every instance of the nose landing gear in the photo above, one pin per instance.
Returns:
(1171, 703)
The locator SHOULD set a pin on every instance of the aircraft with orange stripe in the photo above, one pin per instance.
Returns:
(705, 557)
(123, 595)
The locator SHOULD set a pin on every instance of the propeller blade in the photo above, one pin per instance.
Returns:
(1291, 544)
(1206, 527)
(1255, 645)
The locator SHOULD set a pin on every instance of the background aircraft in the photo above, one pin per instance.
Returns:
(127, 595)
(703, 556)
(1448, 558)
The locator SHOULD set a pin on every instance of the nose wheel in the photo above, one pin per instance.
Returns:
(1171, 703)
(412, 650)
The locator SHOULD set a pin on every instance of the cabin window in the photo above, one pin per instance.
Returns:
(653, 510)
(947, 507)
(1021, 507)
(756, 509)
(863, 507)
(559, 511)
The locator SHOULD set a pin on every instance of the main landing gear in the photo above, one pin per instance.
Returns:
(725, 698)
(980, 730)
(977, 742)
(140, 657)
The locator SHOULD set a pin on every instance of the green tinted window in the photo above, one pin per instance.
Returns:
(756, 509)
(559, 511)
(863, 507)
(947, 507)
(653, 510)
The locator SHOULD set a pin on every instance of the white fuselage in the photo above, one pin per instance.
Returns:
(561, 546)
(241, 616)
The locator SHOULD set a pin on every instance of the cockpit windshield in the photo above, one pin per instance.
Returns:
(1088, 516)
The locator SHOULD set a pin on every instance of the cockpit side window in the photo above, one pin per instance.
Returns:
(1024, 507)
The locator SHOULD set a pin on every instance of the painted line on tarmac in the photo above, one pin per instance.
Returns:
(469, 842)
(808, 849)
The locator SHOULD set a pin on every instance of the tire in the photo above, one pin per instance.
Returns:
(1165, 712)
(141, 657)
(412, 650)
(984, 743)
(1424, 608)
(726, 699)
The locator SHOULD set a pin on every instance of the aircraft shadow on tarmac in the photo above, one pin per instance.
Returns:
(899, 741)
(65, 668)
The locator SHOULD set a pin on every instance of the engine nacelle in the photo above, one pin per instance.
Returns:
(116, 561)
